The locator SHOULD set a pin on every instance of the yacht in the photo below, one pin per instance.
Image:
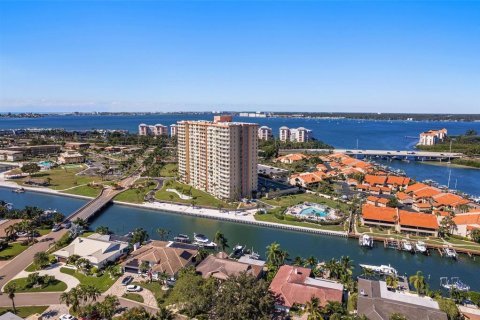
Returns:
(182, 238)
(202, 241)
(453, 284)
(420, 247)
(407, 246)
(450, 253)
(238, 251)
(382, 269)
(366, 241)
(19, 190)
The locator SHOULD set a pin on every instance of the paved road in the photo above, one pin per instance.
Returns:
(25, 258)
(404, 153)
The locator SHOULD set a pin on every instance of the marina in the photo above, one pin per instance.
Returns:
(121, 220)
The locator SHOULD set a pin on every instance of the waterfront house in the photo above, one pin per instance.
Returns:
(374, 180)
(397, 183)
(220, 266)
(293, 286)
(379, 216)
(291, 158)
(466, 223)
(418, 223)
(162, 257)
(377, 302)
(404, 198)
(96, 250)
(450, 202)
(431, 137)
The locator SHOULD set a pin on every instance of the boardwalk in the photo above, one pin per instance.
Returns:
(405, 154)
(91, 208)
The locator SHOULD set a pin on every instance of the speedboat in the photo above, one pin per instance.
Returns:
(420, 247)
(366, 241)
(454, 284)
(19, 190)
(450, 253)
(406, 245)
(382, 269)
(202, 241)
(9, 206)
(238, 251)
(182, 238)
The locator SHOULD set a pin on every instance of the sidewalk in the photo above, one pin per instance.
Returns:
(53, 270)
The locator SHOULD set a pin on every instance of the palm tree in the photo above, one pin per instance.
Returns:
(273, 253)
(298, 261)
(367, 273)
(313, 309)
(107, 308)
(418, 282)
(10, 231)
(10, 289)
(392, 281)
(221, 241)
(71, 298)
(311, 261)
(164, 314)
(163, 233)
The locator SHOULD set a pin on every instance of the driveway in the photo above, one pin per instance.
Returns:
(53, 270)
(117, 289)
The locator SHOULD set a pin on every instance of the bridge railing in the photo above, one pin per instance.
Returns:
(70, 217)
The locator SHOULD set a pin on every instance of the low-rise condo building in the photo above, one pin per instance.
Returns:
(71, 157)
(431, 137)
(173, 130)
(219, 157)
(265, 133)
(10, 155)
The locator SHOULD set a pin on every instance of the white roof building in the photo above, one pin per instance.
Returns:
(96, 250)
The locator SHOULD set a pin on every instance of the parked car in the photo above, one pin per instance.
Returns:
(56, 227)
(67, 317)
(133, 288)
(127, 280)
(67, 225)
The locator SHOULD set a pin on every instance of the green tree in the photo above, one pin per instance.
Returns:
(221, 240)
(275, 255)
(312, 307)
(164, 314)
(10, 289)
(418, 282)
(475, 235)
(163, 233)
(450, 308)
(136, 313)
(41, 259)
(108, 307)
(103, 230)
(392, 281)
(139, 236)
(30, 168)
(71, 298)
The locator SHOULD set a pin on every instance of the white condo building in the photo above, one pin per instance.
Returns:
(431, 137)
(219, 157)
(155, 130)
(300, 134)
(173, 130)
(265, 133)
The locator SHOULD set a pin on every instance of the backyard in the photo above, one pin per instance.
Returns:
(200, 198)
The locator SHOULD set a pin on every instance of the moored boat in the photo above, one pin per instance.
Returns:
(182, 238)
(366, 241)
(450, 253)
(237, 252)
(420, 247)
(407, 246)
(19, 190)
(382, 269)
(453, 284)
(202, 241)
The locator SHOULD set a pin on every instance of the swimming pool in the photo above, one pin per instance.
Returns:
(45, 164)
(310, 211)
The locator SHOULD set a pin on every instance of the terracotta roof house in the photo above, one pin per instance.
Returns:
(449, 201)
(422, 206)
(415, 187)
(162, 256)
(466, 223)
(398, 182)
(291, 158)
(404, 198)
(220, 266)
(418, 223)
(376, 302)
(293, 285)
(377, 201)
(378, 216)
(374, 180)
(426, 193)
(307, 179)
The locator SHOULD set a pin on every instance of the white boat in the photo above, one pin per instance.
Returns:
(9, 206)
(450, 253)
(406, 245)
(182, 238)
(453, 284)
(202, 241)
(366, 241)
(420, 247)
(238, 251)
(19, 190)
(382, 269)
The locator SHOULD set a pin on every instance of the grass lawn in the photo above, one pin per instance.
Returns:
(12, 251)
(294, 199)
(63, 177)
(55, 286)
(136, 195)
(201, 198)
(271, 218)
(87, 191)
(24, 312)
(133, 296)
(154, 286)
(31, 268)
(102, 283)
(43, 232)
(169, 170)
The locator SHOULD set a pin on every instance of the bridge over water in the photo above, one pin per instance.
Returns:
(393, 154)
(94, 206)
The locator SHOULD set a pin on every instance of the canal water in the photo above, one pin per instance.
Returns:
(122, 219)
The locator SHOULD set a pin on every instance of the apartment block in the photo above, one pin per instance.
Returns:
(431, 137)
(155, 130)
(219, 157)
(265, 133)
(300, 134)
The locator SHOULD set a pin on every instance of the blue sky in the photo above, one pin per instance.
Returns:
(357, 56)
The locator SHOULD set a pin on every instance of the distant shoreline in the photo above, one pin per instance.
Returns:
(445, 164)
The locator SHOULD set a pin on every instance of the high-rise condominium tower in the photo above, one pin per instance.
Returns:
(219, 157)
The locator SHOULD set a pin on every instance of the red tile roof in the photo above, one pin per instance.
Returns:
(421, 220)
(291, 286)
(415, 187)
(467, 218)
(399, 181)
(450, 199)
(371, 212)
(373, 179)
